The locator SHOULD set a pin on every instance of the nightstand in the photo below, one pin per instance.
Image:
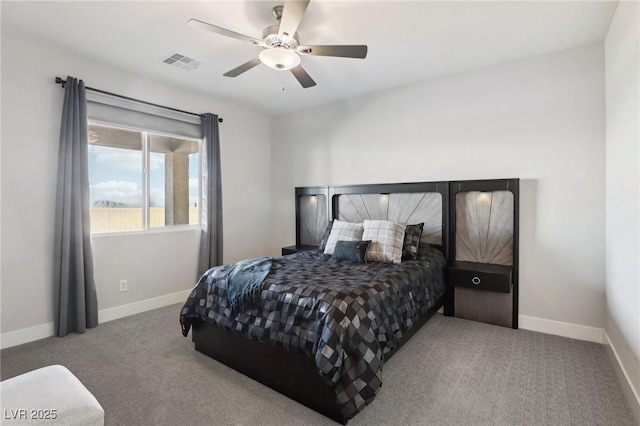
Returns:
(483, 292)
(297, 249)
(483, 224)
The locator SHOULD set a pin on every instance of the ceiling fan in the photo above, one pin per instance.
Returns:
(281, 44)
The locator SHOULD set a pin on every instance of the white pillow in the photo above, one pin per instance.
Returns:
(343, 231)
(386, 238)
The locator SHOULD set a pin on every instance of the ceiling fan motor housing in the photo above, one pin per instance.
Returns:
(271, 38)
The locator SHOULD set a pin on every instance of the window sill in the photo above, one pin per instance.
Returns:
(160, 230)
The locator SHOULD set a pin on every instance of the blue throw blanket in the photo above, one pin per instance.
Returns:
(245, 281)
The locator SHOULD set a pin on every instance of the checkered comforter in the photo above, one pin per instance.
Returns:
(343, 315)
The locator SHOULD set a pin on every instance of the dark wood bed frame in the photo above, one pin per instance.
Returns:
(294, 374)
(290, 373)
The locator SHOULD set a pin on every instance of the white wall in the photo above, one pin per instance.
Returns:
(622, 65)
(156, 264)
(539, 119)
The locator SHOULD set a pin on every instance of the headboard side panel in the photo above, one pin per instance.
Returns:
(484, 227)
(312, 214)
(313, 218)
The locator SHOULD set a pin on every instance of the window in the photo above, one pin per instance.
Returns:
(140, 180)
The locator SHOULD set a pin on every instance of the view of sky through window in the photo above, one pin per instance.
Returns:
(115, 177)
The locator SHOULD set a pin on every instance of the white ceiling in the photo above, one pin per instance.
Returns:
(408, 41)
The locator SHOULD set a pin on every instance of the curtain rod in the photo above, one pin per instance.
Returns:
(62, 82)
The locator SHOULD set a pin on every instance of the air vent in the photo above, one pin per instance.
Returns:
(180, 61)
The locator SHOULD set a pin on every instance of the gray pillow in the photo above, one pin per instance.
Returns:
(351, 251)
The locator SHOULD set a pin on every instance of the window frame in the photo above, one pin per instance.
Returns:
(146, 180)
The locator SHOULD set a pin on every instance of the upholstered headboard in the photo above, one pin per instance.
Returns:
(410, 208)
(422, 202)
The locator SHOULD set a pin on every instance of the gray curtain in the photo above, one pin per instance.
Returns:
(76, 306)
(211, 208)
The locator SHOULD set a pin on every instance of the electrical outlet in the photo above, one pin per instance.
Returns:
(123, 285)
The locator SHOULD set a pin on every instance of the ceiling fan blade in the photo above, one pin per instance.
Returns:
(344, 51)
(222, 31)
(242, 68)
(303, 78)
(291, 17)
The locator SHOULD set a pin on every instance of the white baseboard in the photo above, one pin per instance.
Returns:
(26, 335)
(564, 329)
(37, 332)
(630, 392)
(122, 311)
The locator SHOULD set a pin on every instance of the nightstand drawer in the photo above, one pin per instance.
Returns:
(483, 276)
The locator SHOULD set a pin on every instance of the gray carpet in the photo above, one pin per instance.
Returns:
(452, 372)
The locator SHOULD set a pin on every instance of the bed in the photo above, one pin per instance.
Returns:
(318, 329)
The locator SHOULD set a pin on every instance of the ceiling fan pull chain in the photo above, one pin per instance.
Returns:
(283, 82)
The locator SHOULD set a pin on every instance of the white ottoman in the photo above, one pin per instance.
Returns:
(49, 395)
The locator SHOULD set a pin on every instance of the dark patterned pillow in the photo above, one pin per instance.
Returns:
(411, 243)
(351, 251)
(325, 237)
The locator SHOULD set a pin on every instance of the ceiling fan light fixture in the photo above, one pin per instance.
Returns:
(279, 58)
